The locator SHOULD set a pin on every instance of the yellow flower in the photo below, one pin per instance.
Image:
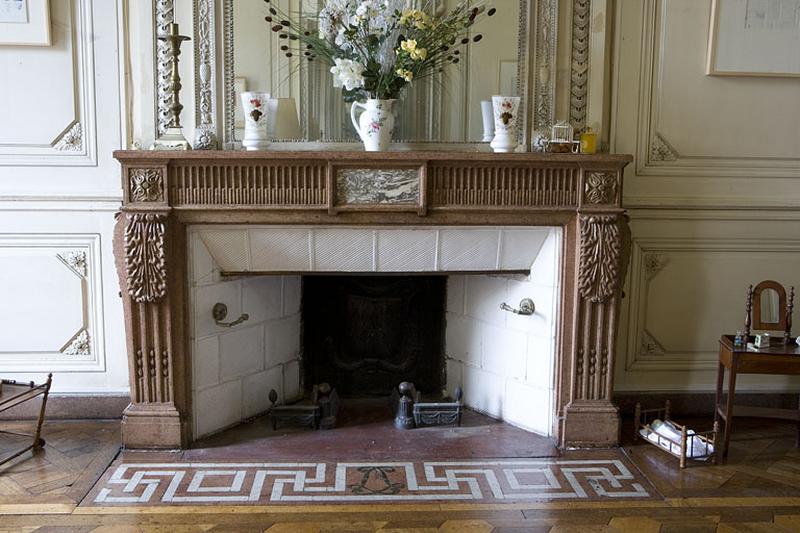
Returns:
(405, 74)
(419, 19)
(419, 54)
(408, 45)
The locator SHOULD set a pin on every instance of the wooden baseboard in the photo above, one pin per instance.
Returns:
(701, 403)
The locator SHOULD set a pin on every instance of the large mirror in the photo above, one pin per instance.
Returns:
(306, 106)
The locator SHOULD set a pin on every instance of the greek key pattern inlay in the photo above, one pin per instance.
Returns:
(600, 188)
(146, 184)
(145, 260)
(600, 257)
(358, 482)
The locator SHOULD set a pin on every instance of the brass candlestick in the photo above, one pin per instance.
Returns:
(173, 138)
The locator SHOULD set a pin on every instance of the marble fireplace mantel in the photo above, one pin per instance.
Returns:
(164, 192)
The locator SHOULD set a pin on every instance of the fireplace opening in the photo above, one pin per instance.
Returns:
(365, 334)
(366, 309)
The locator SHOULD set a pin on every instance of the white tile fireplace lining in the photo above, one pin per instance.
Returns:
(375, 249)
(504, 362)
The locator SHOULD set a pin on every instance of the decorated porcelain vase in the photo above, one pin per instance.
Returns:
(506, 121)
(375, 125)
(255, 106)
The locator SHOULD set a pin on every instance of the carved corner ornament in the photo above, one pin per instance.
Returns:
(653, 263)
(661, 150)
(600, 188)
(76, 261)
(79, 345)
(146, 184)
(72, 140)
(650, 345)
(145, 257)
(600, 266)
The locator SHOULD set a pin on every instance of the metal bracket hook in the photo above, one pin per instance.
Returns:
(220, 312)
(526, 307)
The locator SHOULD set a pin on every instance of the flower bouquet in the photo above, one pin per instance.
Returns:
(375, 48)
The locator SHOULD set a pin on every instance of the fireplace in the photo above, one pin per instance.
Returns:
(242, 229)
(366, 334)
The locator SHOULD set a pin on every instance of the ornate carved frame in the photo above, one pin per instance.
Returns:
(536, 73)
(164, 192)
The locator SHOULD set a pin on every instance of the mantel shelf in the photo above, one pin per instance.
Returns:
(356, 155)
(340, 181)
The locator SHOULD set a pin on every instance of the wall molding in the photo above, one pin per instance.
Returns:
(655, 156)
(649, 256)
(84, 350)
(77, 144)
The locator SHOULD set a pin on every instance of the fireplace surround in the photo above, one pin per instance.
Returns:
(168, 193)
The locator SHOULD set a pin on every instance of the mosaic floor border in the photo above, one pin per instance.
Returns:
(468, 481)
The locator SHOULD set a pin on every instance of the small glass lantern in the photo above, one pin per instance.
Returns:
(562, 132)
(562, 139)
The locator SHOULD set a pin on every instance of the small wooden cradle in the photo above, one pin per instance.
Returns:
(682, 447)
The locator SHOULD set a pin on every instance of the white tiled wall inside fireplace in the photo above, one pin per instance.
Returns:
(504, 362)
(234, 368)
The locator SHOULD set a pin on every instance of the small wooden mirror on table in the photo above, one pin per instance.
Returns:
(768, 310)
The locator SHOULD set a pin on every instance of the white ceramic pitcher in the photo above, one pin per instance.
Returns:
(375, 125)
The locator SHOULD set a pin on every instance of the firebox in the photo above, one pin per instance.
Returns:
(365, 334)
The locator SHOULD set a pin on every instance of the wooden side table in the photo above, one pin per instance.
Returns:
(782, 360)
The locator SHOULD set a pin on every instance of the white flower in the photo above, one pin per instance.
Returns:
(348, 74)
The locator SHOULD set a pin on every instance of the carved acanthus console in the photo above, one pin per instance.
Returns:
(166, 191)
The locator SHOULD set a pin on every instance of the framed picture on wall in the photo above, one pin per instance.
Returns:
(25, 22)
(754, 38)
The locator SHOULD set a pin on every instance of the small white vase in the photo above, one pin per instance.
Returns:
(375, 125)
(487, 115)
(506, 110)
(255, 106)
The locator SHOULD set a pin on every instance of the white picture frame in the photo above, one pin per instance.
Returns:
(31, 30)
(754, 38)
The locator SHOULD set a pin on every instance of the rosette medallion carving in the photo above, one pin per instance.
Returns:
(146, 185)
(145, 260)
(600, 188)
(600, 257)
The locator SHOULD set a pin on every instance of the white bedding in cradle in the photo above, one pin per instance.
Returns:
(696, 447)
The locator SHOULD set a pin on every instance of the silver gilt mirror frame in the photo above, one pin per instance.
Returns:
(214, 122)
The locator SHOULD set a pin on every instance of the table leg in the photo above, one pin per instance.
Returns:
(729, 410)
(718, 397)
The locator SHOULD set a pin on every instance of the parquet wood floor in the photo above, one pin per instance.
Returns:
(757, 490)
(58, 476)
